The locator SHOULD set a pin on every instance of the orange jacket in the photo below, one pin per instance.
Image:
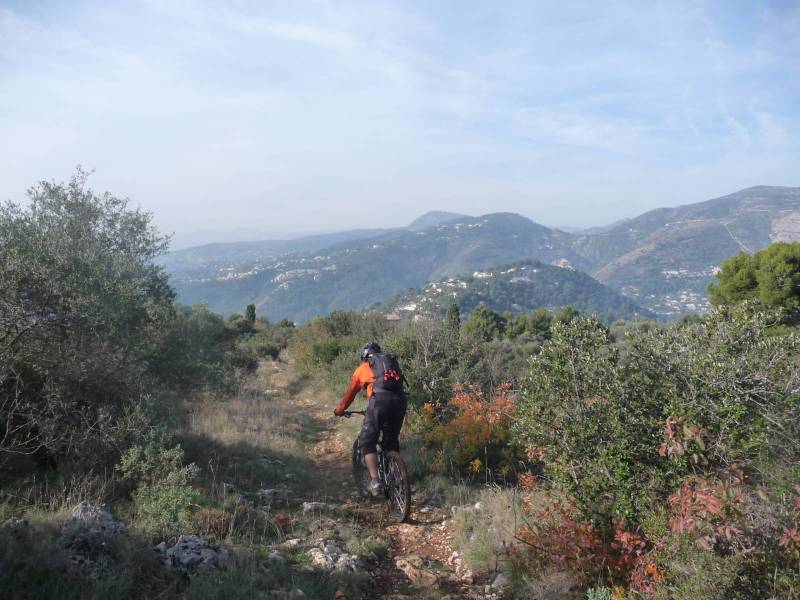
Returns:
(362, 378)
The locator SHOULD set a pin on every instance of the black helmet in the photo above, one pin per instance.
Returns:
(370, 349)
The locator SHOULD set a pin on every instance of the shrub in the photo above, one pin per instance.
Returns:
(163, 494)
(428, 349)
(725, 387)
(198, 351)
(596, 436)
(484, 536)
(326, 351)
(701, 418)
(474, 432)
(601, 593)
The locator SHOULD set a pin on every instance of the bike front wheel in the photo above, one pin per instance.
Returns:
(398, 487)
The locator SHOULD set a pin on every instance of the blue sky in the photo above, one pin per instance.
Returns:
(282, 116)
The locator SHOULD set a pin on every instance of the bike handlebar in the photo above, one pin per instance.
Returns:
(350, 413)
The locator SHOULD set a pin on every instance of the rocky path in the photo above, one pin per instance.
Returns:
(420, 561)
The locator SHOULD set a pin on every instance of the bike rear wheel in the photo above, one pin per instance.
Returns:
(398, 487)
(360, 472)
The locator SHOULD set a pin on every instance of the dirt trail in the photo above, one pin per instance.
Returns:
(420, 562)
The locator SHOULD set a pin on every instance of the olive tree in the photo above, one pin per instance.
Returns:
(82, 307)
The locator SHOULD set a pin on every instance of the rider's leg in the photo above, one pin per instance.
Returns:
(372, 464)
(370, 431)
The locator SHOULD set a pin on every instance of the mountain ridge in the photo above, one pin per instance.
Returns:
(662, 259)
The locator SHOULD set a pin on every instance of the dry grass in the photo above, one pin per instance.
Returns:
(258, 420)
(483, 534)
(259, 438)
(52, 493)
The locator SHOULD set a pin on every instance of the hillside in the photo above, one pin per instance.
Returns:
(665, 258)
(227, 260)
(360, 273)
(224, 260)
(519, 287)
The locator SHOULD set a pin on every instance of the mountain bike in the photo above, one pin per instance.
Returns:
(393, 475)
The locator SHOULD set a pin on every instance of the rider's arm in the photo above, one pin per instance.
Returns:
(361, 377)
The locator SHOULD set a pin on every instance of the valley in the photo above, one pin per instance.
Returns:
(661, 260)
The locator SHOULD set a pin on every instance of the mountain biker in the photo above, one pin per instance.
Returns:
(378, 374)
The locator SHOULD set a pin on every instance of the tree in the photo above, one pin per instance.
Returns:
(250, 314)
(540, 321)
(771, 276)
(83, 307)
(483, 324)
(453, 317)
(566, 315)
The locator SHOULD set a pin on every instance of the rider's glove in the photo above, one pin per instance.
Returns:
(338, 412)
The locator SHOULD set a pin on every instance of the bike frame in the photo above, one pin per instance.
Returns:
(383, 474)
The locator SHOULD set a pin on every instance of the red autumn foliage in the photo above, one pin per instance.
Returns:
(797, 499)
(282, 520)
(478, 428)
(679, 436)
(790, 539)
(555, 536)
(645, 576)
(695, 503)
(713, 510)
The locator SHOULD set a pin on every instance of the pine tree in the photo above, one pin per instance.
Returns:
(250, 313)
(453, 318)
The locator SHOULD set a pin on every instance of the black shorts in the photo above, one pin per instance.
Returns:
(384, 415)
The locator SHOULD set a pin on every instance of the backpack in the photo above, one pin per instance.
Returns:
(388, 376)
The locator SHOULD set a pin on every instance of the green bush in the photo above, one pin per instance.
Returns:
(597, 437)
(600, 593)
(728, 382)
(326, 351)
(163, 494)
(621, 432)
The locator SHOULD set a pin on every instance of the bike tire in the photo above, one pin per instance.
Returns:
(360, 472)
(398, 487)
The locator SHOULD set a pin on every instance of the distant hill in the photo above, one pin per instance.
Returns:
(665, 258)
(358, 273)
(519, 288)
(432, 218)
(222, 258)
(593, 230)
(662, 259)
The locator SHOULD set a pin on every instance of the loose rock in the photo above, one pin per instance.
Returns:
(318, 506)
(86, 535)
(292, 544)
(331, 557)
(414, 568)
(501, 581)
(191, 553)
